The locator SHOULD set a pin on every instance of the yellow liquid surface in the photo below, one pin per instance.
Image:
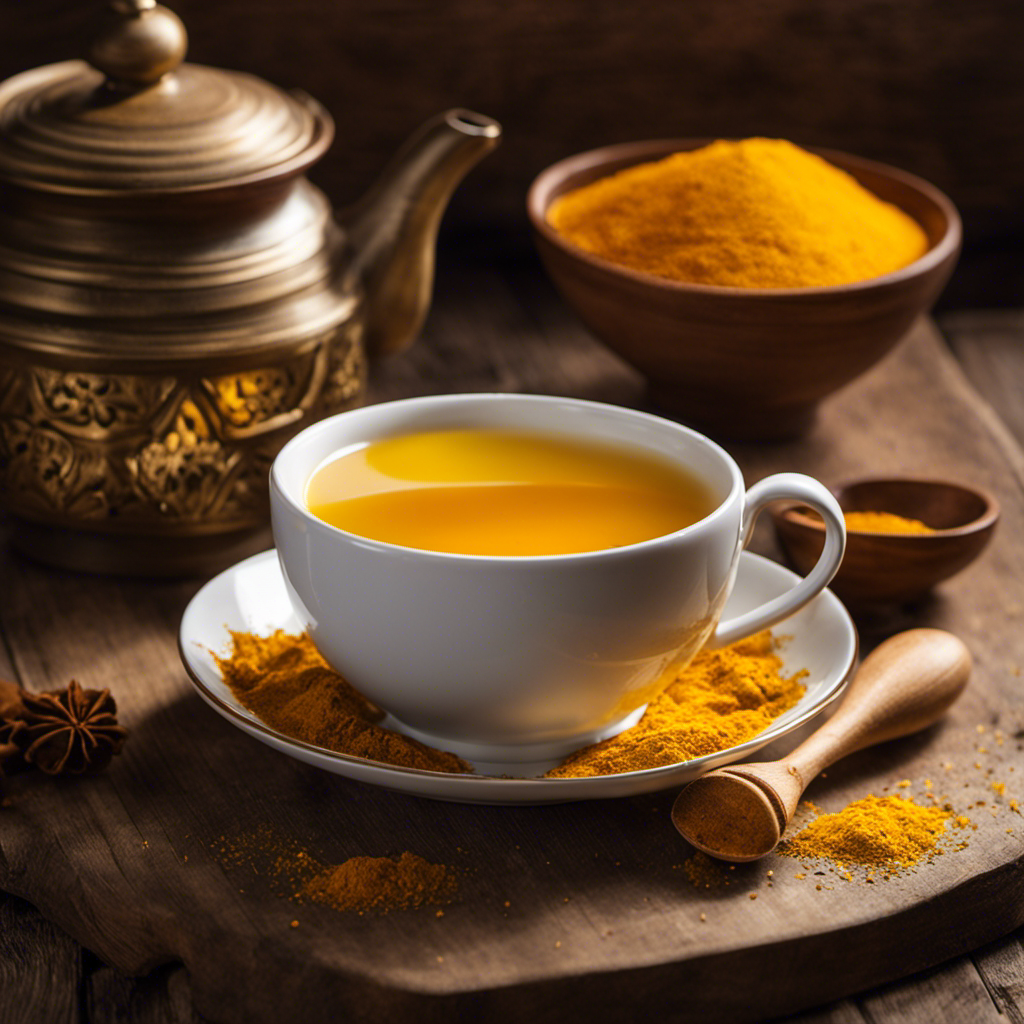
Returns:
(490, 492)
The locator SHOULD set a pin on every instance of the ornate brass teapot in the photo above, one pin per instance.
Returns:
(176, 299)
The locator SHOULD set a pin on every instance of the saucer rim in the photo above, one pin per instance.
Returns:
(272, 737)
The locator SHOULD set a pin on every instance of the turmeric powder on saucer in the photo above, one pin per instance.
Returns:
(756, 213)
(283, 679)
(722, 698)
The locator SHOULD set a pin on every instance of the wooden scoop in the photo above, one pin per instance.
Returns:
(907, 683)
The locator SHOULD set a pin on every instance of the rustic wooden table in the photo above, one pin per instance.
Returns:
(493, 328)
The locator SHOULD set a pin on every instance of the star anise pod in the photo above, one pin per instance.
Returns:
(70, 732)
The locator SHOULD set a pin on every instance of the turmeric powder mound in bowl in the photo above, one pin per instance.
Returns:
(757, 213)
(885, 522)
(746, 280)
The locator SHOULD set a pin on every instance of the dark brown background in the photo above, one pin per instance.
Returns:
(932, 86)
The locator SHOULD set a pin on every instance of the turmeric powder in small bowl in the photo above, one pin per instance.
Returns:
(903, 535)
(754, 213)
(885, 523)
(746, 280)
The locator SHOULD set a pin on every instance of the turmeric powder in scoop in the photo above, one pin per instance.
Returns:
(757, 213)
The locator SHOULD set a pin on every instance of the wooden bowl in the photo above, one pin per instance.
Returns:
(744, 362)
(885, 568)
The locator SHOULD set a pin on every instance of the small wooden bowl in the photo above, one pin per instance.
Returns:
(886, 568)
(744, 362)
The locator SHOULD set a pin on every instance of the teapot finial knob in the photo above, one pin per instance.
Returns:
(141, 42)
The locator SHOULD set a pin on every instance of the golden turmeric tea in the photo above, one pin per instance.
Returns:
(504, 493)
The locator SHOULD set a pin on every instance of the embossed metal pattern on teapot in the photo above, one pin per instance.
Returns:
(177, 300)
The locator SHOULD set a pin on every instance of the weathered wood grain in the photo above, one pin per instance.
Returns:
(988, 345)
(954, 993)
(845, 1011)
(40, 967)
(1001, 966)
(162, 997)
(107, 857)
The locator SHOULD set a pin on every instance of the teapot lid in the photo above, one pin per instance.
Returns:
(139, 119)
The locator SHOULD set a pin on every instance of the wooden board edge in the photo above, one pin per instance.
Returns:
(742, 985)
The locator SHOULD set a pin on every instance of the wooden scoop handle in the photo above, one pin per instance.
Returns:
(906, 684)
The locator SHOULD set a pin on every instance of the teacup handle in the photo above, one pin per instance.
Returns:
(808, 490)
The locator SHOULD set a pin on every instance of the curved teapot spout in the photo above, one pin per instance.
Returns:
(394, 227)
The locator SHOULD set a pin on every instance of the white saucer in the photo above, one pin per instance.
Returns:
(250, 596)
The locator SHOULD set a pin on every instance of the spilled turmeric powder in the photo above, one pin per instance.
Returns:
(382, 883)
(705, 872)
(359, 883)
(757, 213)
(284, 681)
(891, 833)
(724, 697)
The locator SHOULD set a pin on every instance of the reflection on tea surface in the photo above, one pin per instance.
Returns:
(493, 492)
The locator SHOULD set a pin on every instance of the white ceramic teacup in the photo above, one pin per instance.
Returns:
(521, 659)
